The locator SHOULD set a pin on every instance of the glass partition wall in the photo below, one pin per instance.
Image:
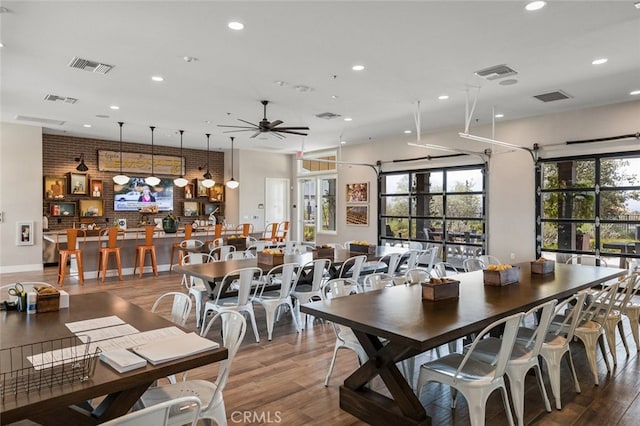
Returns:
(589, 205)
(440, 206)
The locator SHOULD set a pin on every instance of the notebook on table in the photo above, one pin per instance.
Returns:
(174, 347)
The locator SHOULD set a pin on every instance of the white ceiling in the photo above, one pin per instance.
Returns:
(412, 51)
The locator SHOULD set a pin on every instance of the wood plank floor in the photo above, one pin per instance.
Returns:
(282, 381)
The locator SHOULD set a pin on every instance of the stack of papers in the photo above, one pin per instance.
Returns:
(176, 347)
(122, 360)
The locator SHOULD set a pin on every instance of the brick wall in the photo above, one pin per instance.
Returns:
(58, 159)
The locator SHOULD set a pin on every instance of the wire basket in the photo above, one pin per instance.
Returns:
(43, 365)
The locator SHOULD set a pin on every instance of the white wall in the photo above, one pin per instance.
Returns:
(20, 195)
(252, 169)
(511, 224)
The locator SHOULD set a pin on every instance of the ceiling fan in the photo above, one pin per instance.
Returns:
(266, 126)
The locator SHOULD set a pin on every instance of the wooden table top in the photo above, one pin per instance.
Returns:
(400, 314)
(18, 329)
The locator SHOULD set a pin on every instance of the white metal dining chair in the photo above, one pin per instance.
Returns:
(352, 267)
(233, 329)
(488, 259)
(416, 276)
(631, 308)
(392, 260)
(287, 276)
(243, 302)
(475, 379)
(379, 281)
(180, 306)
(196, 286)
(180, 411)
(472, 264)
(345, 339)
(524, 357)
(586, 259)
(443, 269)
(220, 252)
(306, 293)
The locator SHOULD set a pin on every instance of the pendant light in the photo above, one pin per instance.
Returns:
(232, 183)
(152, 180)
(207, 182)
(121, 179)
(181, 182)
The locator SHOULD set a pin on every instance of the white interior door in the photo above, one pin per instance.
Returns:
(276, 197)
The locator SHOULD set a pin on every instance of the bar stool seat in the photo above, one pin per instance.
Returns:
(66, 254)
(143, 249)
(105, 252)
(188, 229)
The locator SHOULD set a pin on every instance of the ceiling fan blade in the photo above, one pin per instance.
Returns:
(277, 135)
(242, 130)
(236, 127)
(289, 128)
(248, 122)
(275, 123)
(255, 134)
(289, 132)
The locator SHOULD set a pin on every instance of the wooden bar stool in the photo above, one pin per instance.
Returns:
(283, 229)
(112, 247)
(188, 229)
(245, 229)
(142, 249)
(270, 232)
(71, 250)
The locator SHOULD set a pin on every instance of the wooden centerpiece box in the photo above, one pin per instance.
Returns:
(48, 299)
(440, 288)
(357, 249)
(323, 252)
(499, 277)
(543, 266)
(238, 241)
(271, 257)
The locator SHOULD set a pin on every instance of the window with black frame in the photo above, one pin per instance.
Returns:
(589, 205)
(440, 206)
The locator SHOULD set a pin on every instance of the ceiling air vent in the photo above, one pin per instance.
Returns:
(328, 115)
(89, 65)
(63, 99)
(496, 72)
(40, 120)
(556, 95)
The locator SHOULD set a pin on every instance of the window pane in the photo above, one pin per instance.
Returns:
(568, 174)
(620, 172)
(469, 231)
(395, 228)
(464, 180)
(328, 199)
(568, 236)
(395, 206)
(464, 206)
(309, 166)
(428, 182)
(428, 205)
(617, 232)
(569, 205)
(395, 184)
(620, 205)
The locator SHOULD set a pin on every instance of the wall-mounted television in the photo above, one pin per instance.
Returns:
(136, 195)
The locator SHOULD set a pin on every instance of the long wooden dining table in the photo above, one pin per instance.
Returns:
(65, 404)
(410, 326)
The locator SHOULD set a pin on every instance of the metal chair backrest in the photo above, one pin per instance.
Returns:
(112, 233)
(220, 252)
(352, 266)
(180, 309)
(472, 264)
(320, 268)
(245, 278)
(188, 230)
(440, 269)
(338, 287)
(426, 258)
(149, 233)
(287, 274)
(377, 281)
(488, 259)
(417, 275)
(546, 311)
(270, 231)
(600, 302)
(392, 260)
(586, 259)
(567, 315)
(186, 409)
(73, 235)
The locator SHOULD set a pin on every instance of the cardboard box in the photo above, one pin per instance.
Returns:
(500, 278)
(448, 289)
(270, 259)
(547, 267)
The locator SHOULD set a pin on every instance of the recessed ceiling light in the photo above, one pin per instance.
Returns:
(348, 119)
(1, 44)
(508, 82)
(407, 132)
(114, 107)
(499, 115)
(334, 96)
(86, 125)
(280, 83)
(157, 78)
(637, 4)
(189, 59)
(234, 25)
(343, 142)
(599, 61)
(535, 5)
(635, 92)
(443, 97)
(357, 67)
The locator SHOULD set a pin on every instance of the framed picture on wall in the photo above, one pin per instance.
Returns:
(96, 188)
(358, 215)
(358, 192)
(62, 209)
(188, 191)
(216, 192)
(201, 190)
(78, 183)
(211, 208)
(55, 187)
(24, 234)
(191, 208)
(91, 208)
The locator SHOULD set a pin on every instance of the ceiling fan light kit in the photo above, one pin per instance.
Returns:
(266, 126)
